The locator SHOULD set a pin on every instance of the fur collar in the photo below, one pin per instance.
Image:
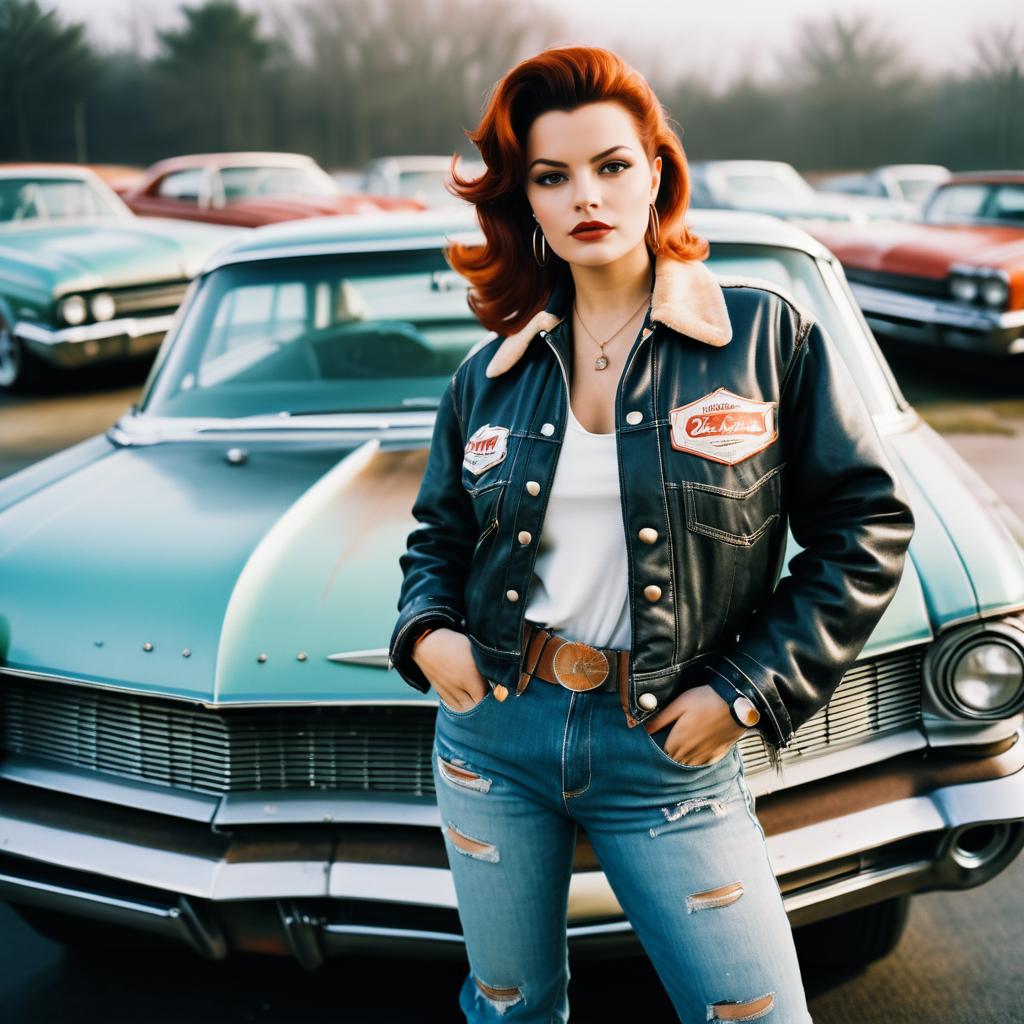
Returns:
(687, 297)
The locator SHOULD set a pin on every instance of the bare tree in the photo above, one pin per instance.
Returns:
(998, 71)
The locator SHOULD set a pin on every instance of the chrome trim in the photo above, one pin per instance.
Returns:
(229, 877)
(132, 327)
(947, 313)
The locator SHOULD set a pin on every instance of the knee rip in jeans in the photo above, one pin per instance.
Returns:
(453, 771)
(500, 998)
(469, 846)
(750, 1010)
(720, 897)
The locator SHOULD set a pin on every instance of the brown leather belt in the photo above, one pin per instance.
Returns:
(576, 666)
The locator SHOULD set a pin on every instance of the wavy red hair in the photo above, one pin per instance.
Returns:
(506, 284)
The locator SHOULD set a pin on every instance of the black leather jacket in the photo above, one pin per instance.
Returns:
(709, 481)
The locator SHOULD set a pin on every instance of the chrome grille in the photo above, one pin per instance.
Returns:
(876, 696)
(162, 298)
(381, 749)
(937, 287)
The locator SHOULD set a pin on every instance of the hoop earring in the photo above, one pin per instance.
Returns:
(656, 223)
(543, 247)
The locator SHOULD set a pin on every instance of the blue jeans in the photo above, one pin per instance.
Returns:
(679, 845)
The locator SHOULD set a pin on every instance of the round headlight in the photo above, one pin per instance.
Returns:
(964, 288)
(73, 310)
(103, 306)
(995, 292)
(987, 677)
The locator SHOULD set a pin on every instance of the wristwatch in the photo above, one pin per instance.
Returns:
(741, 708)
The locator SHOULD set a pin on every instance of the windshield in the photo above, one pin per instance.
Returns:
(34, 199)
(385, 331)
(765, 187)
(914, 190)
(977, 203)
(252, 182)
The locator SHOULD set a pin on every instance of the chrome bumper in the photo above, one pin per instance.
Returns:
(90, 343)
(314, 895)
(939, 322)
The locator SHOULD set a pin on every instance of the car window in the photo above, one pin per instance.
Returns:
(1007, 203)
(800, 276)
(340, 333)
(28, 199)
(760, 186)
(384, 331)
(249, 182)
(956, 204)
(182, 185)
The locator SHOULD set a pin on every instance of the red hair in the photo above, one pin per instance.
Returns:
(506, 284)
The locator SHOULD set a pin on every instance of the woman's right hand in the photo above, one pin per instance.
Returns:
(446, 659)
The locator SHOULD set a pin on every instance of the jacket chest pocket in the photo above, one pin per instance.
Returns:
(734, 516)
(487, 500)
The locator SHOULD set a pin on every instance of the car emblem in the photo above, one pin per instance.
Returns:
(486, 447)
(723, 427)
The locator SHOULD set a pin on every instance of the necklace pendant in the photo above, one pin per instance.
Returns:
(600, 362)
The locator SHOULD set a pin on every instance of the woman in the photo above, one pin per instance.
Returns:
(602, 526)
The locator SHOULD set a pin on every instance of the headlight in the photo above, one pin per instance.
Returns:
(103, 306)
(995, 291)
(73, 310)
(963, 288)
(987, 677)
(978, 672)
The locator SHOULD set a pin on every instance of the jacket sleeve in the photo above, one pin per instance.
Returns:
(438, 551)
(849, 513)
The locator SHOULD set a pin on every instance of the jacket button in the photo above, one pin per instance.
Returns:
(652, 591)
(533, 487)
(525, 536)
(648, 535)
(512, 595)
(647, 701)
(634, 417)
(547, 429)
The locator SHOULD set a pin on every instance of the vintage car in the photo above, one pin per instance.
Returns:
(82, 279)
(779, 189)
(250, 190)
(954, 278)
(902, 183)
(417, 177)
(200, 737)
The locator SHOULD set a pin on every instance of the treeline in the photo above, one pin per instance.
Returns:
(345, 80)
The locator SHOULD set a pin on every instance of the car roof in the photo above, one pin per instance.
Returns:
(46, 170)
(242, 159)
(1009, 177)
(318, 236)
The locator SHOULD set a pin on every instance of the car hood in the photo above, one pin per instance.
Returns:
(295, 550)
(922, 250)
(967, 550)
(112, 254)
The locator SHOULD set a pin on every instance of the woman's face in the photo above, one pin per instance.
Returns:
(588, 164)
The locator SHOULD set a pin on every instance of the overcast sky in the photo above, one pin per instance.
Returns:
(719, 36)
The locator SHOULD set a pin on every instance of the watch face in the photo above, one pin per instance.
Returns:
(746, 712)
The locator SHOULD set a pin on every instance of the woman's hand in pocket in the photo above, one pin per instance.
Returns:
(703, 728)
(446, 659)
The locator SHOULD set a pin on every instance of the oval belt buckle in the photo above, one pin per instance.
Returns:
(578, 666)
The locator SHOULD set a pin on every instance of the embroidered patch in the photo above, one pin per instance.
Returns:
(487, 447)
(724, 427)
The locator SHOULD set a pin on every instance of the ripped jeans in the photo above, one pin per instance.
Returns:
(680, 846)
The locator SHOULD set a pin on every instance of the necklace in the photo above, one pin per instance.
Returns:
(602, 360)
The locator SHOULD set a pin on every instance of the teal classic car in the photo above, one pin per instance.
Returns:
(82, 279)
(200, 737)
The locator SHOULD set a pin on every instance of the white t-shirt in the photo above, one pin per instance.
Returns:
(580, 583)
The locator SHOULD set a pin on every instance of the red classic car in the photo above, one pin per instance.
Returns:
(249, 190)
(954, 277)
